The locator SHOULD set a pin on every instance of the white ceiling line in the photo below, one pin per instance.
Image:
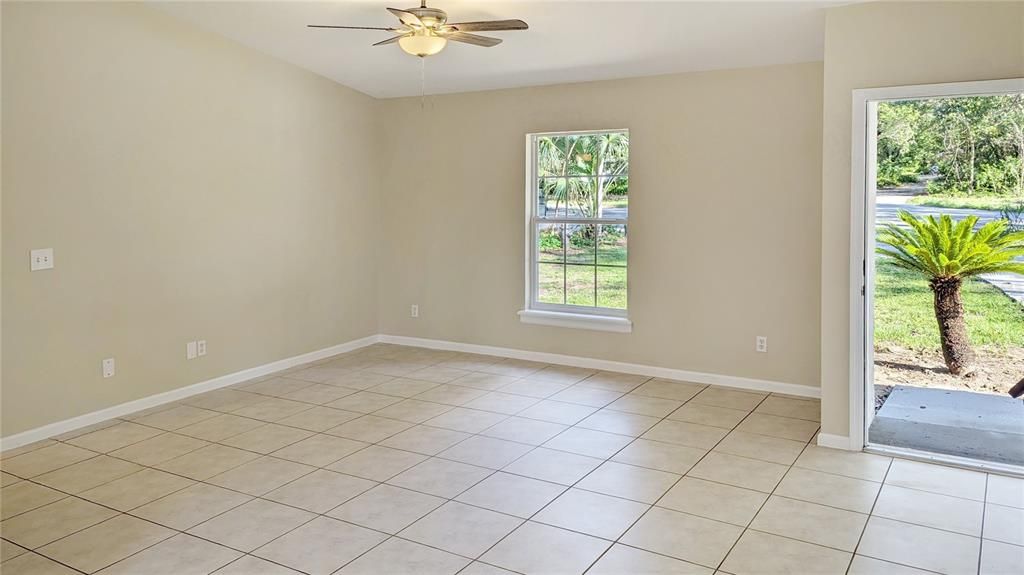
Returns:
(567, 41)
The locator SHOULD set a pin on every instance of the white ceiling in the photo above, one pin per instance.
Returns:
(567, 41)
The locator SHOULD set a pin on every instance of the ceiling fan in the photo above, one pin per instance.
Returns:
(425, 31)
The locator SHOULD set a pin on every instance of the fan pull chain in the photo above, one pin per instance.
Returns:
(423, 82)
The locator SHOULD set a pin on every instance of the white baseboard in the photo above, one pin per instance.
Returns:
(59, 427)
(606, 365)
(837, 442)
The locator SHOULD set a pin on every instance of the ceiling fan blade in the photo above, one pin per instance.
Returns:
(473, 39)
(490, 26)
(407, 18)
(391, 40)
(352, 27)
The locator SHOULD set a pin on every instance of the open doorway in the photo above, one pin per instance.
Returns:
(941, 278)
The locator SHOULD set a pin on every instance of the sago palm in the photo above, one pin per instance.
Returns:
(947, 252)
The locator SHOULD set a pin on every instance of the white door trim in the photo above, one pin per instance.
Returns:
(862, 221)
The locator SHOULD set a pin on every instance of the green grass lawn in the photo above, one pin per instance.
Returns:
(904, 313)
(973, 203)
(579, 286)
(578, 282)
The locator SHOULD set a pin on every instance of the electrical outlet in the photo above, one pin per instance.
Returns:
(762, 344)
(201, 347)
(414, 311)
(190, 350)
(108, 367)
(41, 259)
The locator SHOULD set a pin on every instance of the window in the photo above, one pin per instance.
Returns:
(578, 193)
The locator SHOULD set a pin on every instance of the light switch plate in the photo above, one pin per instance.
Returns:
(190, 350)
(42, 259)
(761, 345)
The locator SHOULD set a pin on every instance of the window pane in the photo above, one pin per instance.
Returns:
(549, 242)
(611, 248)
(599, 154)
(580, 243)
(581, 196)
(614, 153)
(614, 195)
(579, 285)
(551, 283)
(551, 198)
(551, 155)
(611, 287)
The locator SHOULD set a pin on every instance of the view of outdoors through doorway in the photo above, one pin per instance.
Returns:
(949, 277)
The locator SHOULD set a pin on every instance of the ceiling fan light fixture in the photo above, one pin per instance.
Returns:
(425, 31)
(422, 43)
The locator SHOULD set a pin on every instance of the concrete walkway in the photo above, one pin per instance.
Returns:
(887, 207)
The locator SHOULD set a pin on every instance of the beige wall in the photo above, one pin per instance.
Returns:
(191, 189)
(194, 189)
(889, 44)
(724, 236)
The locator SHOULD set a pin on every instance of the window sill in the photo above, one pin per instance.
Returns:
(576, 320)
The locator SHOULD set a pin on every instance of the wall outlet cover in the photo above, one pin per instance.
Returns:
(108, 367)
(41, 259)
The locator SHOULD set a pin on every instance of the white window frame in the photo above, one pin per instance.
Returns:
(564, 315)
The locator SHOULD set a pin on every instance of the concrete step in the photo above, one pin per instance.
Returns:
(962, 423)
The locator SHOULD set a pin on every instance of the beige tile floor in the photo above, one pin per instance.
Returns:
(394, 460)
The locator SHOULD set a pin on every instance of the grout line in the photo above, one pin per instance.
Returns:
(48, 558)
(655, 504)
(871, 513)
(984, 511)
(632, 439)
(563, 492)
(763, 503)
(565, 488)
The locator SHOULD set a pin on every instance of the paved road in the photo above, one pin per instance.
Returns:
(888, 206)
(885, 212)
(616, 213)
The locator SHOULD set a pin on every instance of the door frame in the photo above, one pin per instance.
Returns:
(862, 224)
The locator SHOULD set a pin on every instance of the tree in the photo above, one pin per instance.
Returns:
(570, 165)
(907, 141)
(946, 253)
(576, 173)
(1012, 122)
(974, 144)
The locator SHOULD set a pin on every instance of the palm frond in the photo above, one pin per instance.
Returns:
(946, 248)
